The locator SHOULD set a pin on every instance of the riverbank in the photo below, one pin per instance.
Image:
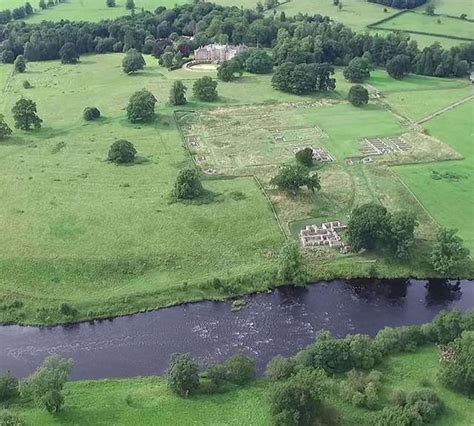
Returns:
(148, 400)
(275, 323)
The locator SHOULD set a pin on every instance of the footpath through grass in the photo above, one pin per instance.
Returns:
(148, 400)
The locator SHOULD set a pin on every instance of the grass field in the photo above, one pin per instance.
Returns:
(453, 7)
(438, 25)
(449, 200)
(83, 230)
(147, 400)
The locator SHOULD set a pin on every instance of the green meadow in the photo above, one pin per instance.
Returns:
(449, 199)
(121, 401)
(434, 25)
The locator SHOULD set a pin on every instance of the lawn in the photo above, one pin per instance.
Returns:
(148, 401)
(83, 231)
(450, 199)
(434, 25)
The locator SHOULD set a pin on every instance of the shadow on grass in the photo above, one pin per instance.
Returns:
(207, 197)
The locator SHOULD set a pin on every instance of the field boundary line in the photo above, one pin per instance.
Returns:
(445, 109)
(253, 176)
(413, 195)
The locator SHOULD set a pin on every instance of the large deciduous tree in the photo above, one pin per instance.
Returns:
(358, 95)
(183, 374)
(448, 251)
(68, 54)
(292, 177)
(205, 89)
(133, 61)
(20, 64)
(304, 78)
(25, 115)
(5, 130)
(141, 107)
(399, 66)
(290, 264)
(358, 70)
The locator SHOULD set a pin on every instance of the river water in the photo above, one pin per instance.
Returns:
(280, 322)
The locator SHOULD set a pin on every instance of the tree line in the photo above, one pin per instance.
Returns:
(399, 4)
(299, 39)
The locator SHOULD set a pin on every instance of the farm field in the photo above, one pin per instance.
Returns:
(118, 401)
(413, 21)
(453, 191)
(453, 7)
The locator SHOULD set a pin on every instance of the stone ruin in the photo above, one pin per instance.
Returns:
(381, 146)
(327, 234)
(319, 154)
(192, 141)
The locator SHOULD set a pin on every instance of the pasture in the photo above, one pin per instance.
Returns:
(442, 26)
(119, 401)
(83, 231)
(446, 189)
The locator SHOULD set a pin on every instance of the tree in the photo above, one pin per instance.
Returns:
(122, 152)
(430, 10)
(8, 418)
(8, 387)
(456, 364)
(178, 93)
(258, 62)
(130, 5)
(20, 64)
(240, 369)
(91, 113)
(205, 89)
(187, 185)
(45, 385)
(280, 368)
(292, 404)
(227, 70)
(292, 177)
(358, 95)
(398, 66)
(290, 264)
(402, 226)
(305, 156)
(133, 61)
(5, 130)
(166, 60)
(7, 56)
(448, 251)
(367, 226)
(357, 70)
(25, 115)
(68, 54)
(28, 9)
(110, 3)
(183, 374)
(42, 4)
(141, 106)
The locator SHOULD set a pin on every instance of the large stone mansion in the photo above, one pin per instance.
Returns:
(217, 53)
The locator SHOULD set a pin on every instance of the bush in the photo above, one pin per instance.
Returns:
(290, 264)
(280, 368)
(141, 107)
(365, 353)
(8, 418)
(27, 84)
(361, 389)
(183, 377)
(67, 310)
(217, 375)
(121, 152)
(91, 113)
(446, 326)
(8, 386)
(423, 405)
(240, 369)
(188, 185)
(358, 95)
(205, 89)
(305, 157)
(456, 364)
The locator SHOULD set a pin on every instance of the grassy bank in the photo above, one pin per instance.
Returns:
(148, 400)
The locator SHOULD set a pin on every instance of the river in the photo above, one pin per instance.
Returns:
(280, 322)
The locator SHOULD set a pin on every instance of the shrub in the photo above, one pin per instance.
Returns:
(240, 369)
(91, 113)
(358, 95)
(20, 64)
(305, 157)
(188, 185)
(361, 389)
(8, 386)
(216, 373)
(8, 418)
(423, 405)
(183, 377)
(121, 152)
(205, 89)
(290, 264)
(280, 368)
(27, 84)
(365, 353)
(67, 310)
(447, 326)
(5, 130)
(456, 364)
